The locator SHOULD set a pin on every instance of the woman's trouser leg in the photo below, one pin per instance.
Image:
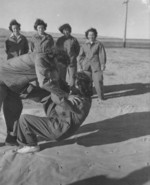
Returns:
(12, 108)
(98, 83)
(29, 127)
(3, 94)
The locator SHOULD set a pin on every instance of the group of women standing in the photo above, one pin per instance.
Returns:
(90, 57)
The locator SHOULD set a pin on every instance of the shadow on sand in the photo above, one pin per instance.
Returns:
(118, 129)
(138, 177)
(2, 144)
(120, 90)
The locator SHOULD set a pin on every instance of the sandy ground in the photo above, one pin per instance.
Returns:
(113, 145)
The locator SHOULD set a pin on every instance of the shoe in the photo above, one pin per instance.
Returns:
(28, 149)
(102, 97)
(100, 100)
(11, 140)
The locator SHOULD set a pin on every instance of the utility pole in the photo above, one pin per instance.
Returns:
(126, 17)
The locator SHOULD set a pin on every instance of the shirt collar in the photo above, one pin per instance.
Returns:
(13, 36)
(41, 36)
(88, 42)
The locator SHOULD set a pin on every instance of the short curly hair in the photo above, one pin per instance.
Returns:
(39, 22)
(60, 55)
(84, 83)
(14, 22)
(91, 30)
(65, 26)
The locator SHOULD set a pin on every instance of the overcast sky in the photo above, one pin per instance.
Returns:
(107, 16)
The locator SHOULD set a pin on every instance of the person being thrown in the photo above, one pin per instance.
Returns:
(63, 117)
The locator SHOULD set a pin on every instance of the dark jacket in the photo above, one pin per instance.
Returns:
(62, 120)
(71, 46)
(41, 44)
(65, 117)
(17, 72)
(16, 47)
(92, 56)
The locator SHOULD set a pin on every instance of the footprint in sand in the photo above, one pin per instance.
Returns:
(127, 109)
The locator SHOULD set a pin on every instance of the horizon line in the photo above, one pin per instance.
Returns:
(80, 34)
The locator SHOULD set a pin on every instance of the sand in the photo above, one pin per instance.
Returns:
(112, 147)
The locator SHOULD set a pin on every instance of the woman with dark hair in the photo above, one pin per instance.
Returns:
(92, 58)
(91, 30)
(17, 43)
(70, 45)
(41, 42)
(63, 118)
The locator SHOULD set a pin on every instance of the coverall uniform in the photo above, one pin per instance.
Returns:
(72, 48)
(41, 44)
(61, 121)
(92, 58)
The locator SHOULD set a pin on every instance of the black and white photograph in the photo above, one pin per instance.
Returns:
(74, 92)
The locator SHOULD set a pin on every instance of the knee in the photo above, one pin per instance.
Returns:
(23, 119)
